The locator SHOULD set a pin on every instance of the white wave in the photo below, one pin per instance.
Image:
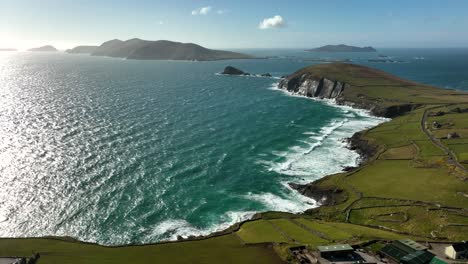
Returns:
(295, 203)
(171, 229)
(331, 102)
(326, 152)
(274, 86)
(279, 153)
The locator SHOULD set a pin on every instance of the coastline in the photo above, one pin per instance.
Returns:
(229, 227)
(322, 197)
(356, 143)
(365, 150)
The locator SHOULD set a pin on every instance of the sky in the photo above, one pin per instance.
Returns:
(236, 24)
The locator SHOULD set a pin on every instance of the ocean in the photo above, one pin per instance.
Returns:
(121, 151)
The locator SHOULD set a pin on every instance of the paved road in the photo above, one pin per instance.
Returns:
(452, 157)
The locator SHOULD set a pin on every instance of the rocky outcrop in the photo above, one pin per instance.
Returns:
(233, 71)
(323, 195)
(229, 70)
(313, 87)
(324, 88)
(393, 110)
(453, 135)
(362, 146)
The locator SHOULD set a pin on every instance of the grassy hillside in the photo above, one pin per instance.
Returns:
(139, 49)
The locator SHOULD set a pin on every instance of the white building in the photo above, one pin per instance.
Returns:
(457, 251)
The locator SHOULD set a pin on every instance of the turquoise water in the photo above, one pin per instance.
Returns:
(115, 151)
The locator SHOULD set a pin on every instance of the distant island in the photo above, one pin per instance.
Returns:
(342, 48)
(82, 50)
(44, 48)
(138, 49)
(8, 49)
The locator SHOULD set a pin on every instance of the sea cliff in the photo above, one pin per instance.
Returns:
(324, 82)
(324, 88)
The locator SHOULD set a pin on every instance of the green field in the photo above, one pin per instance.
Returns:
(310, 232)
(223, 249)
(452, 122)
(260, 231)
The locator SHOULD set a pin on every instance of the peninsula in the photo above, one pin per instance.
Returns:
(139, 49)
(412, 183)
(8, 49)
(343, 48)
(44, 48)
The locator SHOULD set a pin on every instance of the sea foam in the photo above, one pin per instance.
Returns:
(319, 154)
(172, 229)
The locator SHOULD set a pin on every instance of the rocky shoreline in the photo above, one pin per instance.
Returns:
(323, 195)
(308, 85)
(327, 196)
(324, 88)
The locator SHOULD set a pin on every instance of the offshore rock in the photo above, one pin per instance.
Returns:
(233, 71)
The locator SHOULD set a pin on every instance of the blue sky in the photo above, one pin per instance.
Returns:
(237, 24)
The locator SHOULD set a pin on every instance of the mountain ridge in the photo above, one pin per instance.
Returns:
(138, 49)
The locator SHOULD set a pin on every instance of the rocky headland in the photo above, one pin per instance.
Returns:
(323, 81)
(324, 195)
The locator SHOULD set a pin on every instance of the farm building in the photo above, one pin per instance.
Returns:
(436, 260)
(457, 251)
(406, 251)
(418, 257)
(335, 251)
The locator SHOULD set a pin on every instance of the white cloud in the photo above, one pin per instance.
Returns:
(221, 11)
(272, 22)
(202, 10)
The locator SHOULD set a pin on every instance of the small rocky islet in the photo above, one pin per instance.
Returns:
(230, 70)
